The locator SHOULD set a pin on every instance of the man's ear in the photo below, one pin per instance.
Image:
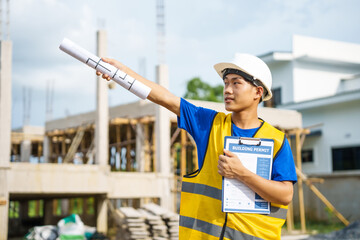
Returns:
(259, 93)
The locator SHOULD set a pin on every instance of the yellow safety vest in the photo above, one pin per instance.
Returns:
(201, 216)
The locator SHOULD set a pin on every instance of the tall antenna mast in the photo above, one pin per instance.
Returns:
(49, 99)
(6, 32)
(160, 26)
(1, 20)
(8, 20)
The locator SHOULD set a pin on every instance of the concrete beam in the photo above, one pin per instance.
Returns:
(47, 178)
(53, 179)
(143, 109)
(136, 185)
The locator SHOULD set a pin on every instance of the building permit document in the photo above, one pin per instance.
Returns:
(256, 155)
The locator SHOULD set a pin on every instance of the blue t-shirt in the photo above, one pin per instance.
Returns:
(198, 122)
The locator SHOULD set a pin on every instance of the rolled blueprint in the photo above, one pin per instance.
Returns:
(126, 81)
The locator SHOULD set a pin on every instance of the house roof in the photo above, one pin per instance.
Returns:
(342, 97)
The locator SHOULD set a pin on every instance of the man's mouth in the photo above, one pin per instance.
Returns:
(228, 99)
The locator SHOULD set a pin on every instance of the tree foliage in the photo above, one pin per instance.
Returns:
(199, 90)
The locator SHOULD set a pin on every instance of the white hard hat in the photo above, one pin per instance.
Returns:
(251, 65)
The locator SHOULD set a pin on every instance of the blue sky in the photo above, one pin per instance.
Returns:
(198, 34)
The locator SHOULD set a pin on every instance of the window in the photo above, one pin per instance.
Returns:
(276, 98)
(307, 156)
(346, 158)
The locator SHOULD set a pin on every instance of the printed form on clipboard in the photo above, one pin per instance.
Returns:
(256, 154)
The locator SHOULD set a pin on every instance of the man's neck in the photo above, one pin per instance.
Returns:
(246, 119)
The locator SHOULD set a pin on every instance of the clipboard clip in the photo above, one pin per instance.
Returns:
(250, 141)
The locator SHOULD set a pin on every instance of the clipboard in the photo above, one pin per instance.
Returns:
(256, 154)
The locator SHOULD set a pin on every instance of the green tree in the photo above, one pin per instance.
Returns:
(199, 90)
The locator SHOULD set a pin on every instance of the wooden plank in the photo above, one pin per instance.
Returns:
(147, 156)
(300, 183)
(174, 136)
(290, 212)
(128, 148)
(321, 196)
(118, 139)
(121, 121)
(290, 218)
(154, 149)
(3, 201)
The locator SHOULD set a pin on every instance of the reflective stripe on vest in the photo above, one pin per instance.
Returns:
(200, 207)
(212, 192)
(212, 229)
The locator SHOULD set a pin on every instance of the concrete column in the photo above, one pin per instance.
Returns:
(102, 108)
(162, 132)
(101, 220)
(5, 132)
(25, 151)
(4, 203)
(102, 129)
(46, 149)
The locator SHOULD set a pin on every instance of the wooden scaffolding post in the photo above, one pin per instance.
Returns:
(55, 204)
(194, 153)
(57, 151)
(195, 158)
(118, 140)
(128, 147)
(39, 151)
(154, 148)
(147, 162)
(183, 153)
(290, 212)
(63, 148)
(300, 182)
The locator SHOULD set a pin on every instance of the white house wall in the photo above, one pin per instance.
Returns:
(340, 129)
(282, 78)
(326, 49)
(312, 80)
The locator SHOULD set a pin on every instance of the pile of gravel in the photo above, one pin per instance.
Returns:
(351, 232)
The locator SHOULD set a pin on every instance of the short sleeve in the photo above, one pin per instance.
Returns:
(283, 165)
(197, 121)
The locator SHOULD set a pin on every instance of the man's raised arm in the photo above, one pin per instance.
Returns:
(158, 94)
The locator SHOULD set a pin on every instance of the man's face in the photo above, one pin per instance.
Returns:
(239, 94)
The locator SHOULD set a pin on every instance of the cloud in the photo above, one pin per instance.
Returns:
(198, 35)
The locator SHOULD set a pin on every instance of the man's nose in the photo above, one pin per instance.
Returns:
(227, 89)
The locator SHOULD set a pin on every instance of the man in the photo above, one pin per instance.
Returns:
(247, 82)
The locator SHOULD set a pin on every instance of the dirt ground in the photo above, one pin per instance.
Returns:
(351, 232)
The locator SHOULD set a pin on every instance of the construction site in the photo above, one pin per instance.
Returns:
(94, 163)
(120, 168)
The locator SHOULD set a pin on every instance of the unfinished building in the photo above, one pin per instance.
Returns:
(68, 179)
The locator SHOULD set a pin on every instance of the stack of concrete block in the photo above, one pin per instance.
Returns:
(134, 226)
(157, 228)
(172, 223)
(171, 219)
